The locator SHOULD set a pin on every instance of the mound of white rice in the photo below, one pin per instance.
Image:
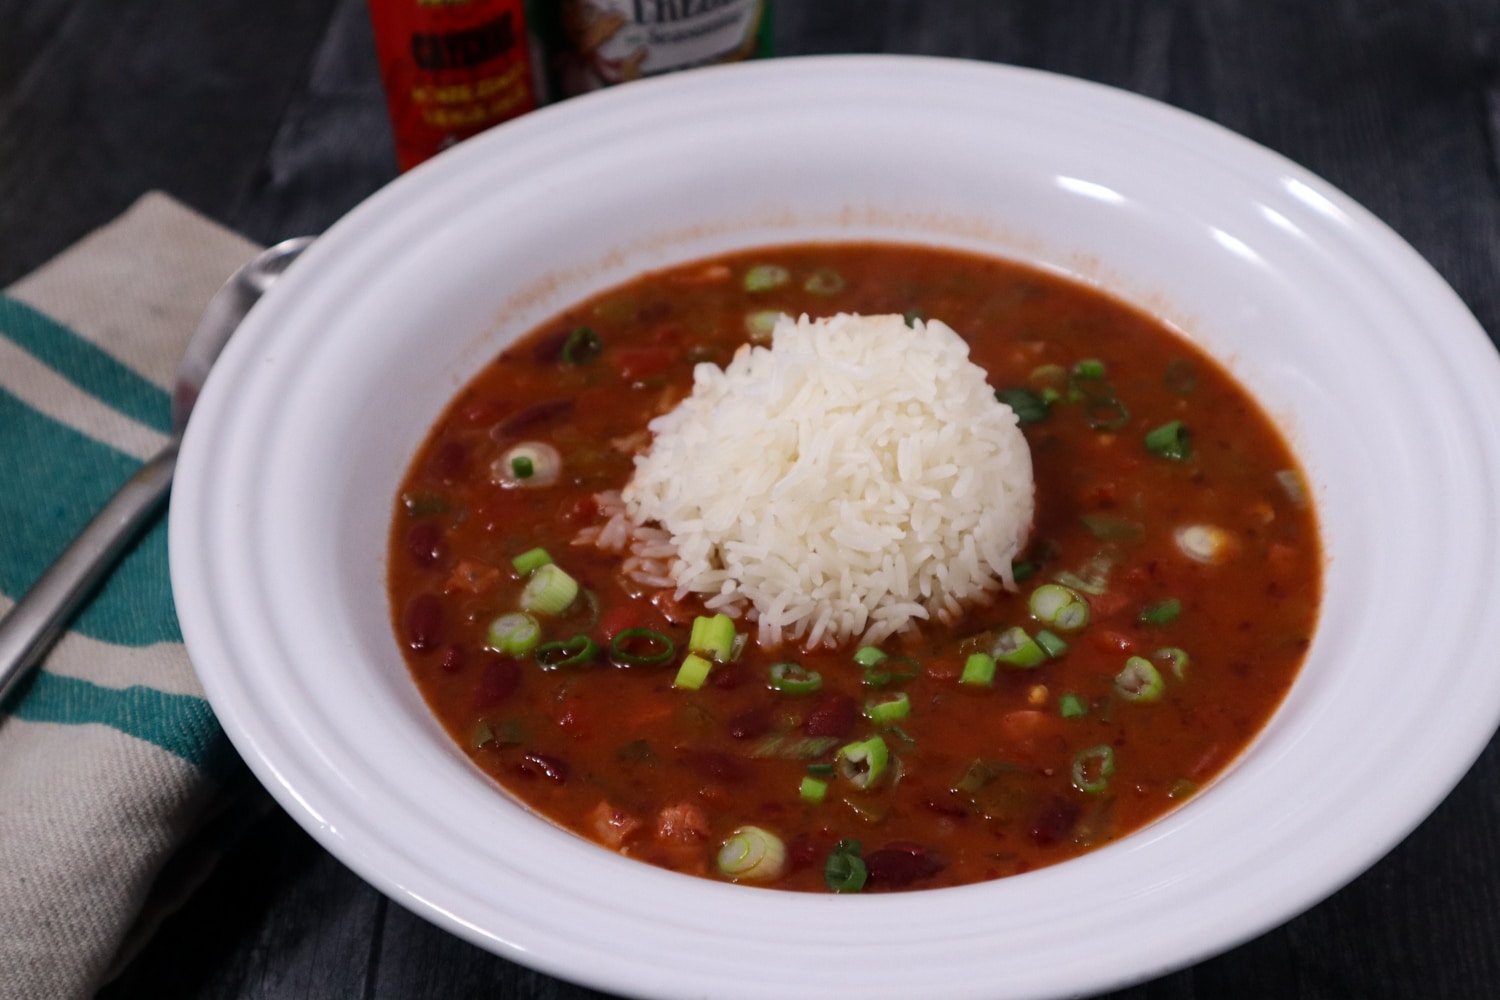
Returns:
(853, 477)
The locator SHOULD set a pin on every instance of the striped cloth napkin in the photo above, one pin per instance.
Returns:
(111, 763)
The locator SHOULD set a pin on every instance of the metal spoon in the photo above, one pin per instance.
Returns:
(38, 619)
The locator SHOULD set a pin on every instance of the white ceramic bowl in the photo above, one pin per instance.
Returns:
(1384, 382)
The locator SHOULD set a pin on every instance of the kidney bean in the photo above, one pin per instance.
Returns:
(532, 417)
(498, 681)
(1054, 822)
(900, 864)
(423, 622)
(750, 724)
(834, 717)
(425, 543)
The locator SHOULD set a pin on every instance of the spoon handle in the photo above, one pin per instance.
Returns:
(38, 618)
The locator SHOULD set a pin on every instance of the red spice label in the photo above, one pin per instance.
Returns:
(451, 69)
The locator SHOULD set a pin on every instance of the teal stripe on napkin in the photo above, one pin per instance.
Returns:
(53, 479)
(85, 365)
(178, 723)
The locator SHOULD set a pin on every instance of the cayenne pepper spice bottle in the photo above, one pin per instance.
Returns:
(592, 44)
(451, 69)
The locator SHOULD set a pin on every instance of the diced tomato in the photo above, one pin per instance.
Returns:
(681, 823)
(1108, 603)
(611, 825)
(471, 577)
(1111, 641)
(617, 620)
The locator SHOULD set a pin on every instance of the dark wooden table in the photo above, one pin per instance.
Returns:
(269, 117)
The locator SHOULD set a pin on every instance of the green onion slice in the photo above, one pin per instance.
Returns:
(764, 276)
(1139, 680)
(863, 763)
(752, 853)
(566, 652)
(813, 789)
(713, 637)
(890, 669)
(868, 656)
(641, 647)
(794, 678)
(1016, 648)
(1072, 707)
(581, 347)
(1029, 407)
(760, 324)
(1163, 613)
(531, 560)
(881, 711)
(1171, 441)
(979, 670)
(1176, 660)
(1089, 368)
(845, 870)
(513, 634)
(1051, 644)
(1059, 606)
(1092, 769)
(692, 673)
(824, 281)
(549, 590)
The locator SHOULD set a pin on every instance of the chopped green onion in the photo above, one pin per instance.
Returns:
(759, 324)
(1106, 414)
(868, 656)
(1051, 644)
(845, 870)
(1089, 368)
(912, 316)
(979, 669)
(1072, 707)
(531, 560)
(764, 276)
(513, 634)
(1049, 377)
(641, 647)
(1015, 648)
(1023, 569)
(1139, 680)
(581, 347)
(824, 281)
(1029, 407)
(1164, 613)
(888, 709)
(481, 735)
(794, 678)
(1171, 441)
(789, 747)
(572, 652)
(821, 770)
(885, 669)
(863, 763)
(531, 464)
(1059, 606)
(1176, 659)
(1203, 543)
(692, 673)
(713, 637)
(813, 789)
(1113, 528)
(549, 590)
(1092, 769)
(752, 853)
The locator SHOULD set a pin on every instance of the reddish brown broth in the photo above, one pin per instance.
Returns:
(983, 785)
